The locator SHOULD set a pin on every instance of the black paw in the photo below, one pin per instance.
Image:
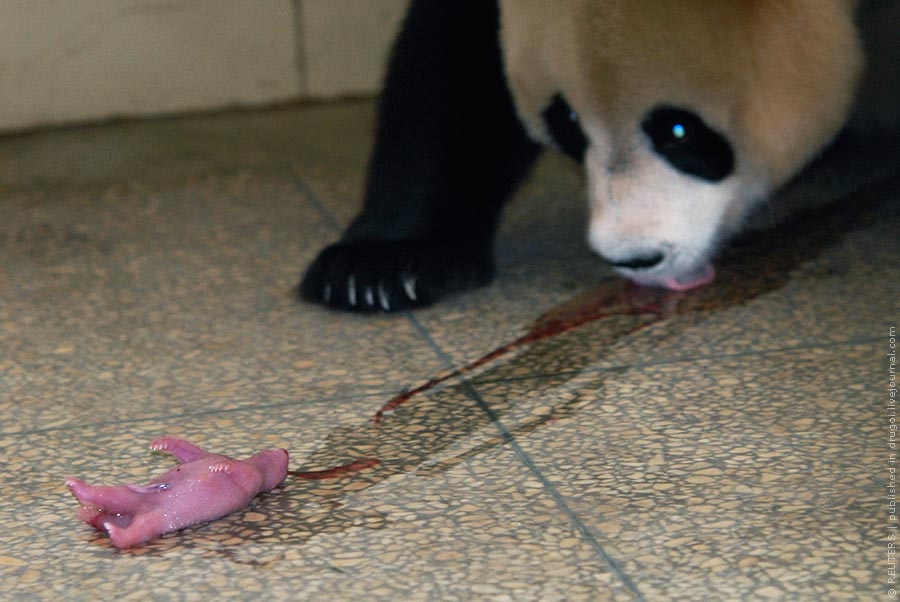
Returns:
(388, 276)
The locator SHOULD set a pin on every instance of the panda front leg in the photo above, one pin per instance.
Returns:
(449, 150)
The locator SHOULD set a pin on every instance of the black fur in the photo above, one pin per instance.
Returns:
(699, 151)
(449, 150)
(562, 123)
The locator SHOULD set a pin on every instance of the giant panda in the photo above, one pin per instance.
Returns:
(685, 113)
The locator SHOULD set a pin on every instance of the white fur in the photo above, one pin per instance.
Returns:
(628, 219)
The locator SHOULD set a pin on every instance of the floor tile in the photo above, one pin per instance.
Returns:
(622, 444)
(135, 301)
(720, 479)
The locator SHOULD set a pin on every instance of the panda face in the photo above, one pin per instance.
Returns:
(661, 195)
(685, 114)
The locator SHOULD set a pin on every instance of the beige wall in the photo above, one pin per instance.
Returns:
(65, 61)
(345, 43)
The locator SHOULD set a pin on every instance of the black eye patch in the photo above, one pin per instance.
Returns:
(562, 123)
(688, 144)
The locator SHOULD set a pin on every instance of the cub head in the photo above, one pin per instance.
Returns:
(685, 112)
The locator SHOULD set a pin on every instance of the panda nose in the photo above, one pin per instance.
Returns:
(637, 262)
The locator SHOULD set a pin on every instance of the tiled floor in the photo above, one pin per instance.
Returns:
(729, 445)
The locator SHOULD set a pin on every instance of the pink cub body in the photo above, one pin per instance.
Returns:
(203, 487)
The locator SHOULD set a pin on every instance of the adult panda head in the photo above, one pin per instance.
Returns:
(686, 113)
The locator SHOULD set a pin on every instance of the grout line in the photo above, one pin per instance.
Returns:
(331, 221)
(529, 463)
(337, 398)
(619, 368)
(558, 497)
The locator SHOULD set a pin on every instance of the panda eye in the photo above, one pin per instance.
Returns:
(562, 124)
(688, 144)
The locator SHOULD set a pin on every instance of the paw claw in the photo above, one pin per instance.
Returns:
(351, 291)
(409, 285)
(383, 298)
(392, 275)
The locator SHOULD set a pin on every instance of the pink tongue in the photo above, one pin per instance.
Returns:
(699, 277)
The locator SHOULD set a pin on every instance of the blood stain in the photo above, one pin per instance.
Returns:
(607, 302)
(338, 471)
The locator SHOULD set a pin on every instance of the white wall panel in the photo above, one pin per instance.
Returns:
(75, 60)
(64, 61)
